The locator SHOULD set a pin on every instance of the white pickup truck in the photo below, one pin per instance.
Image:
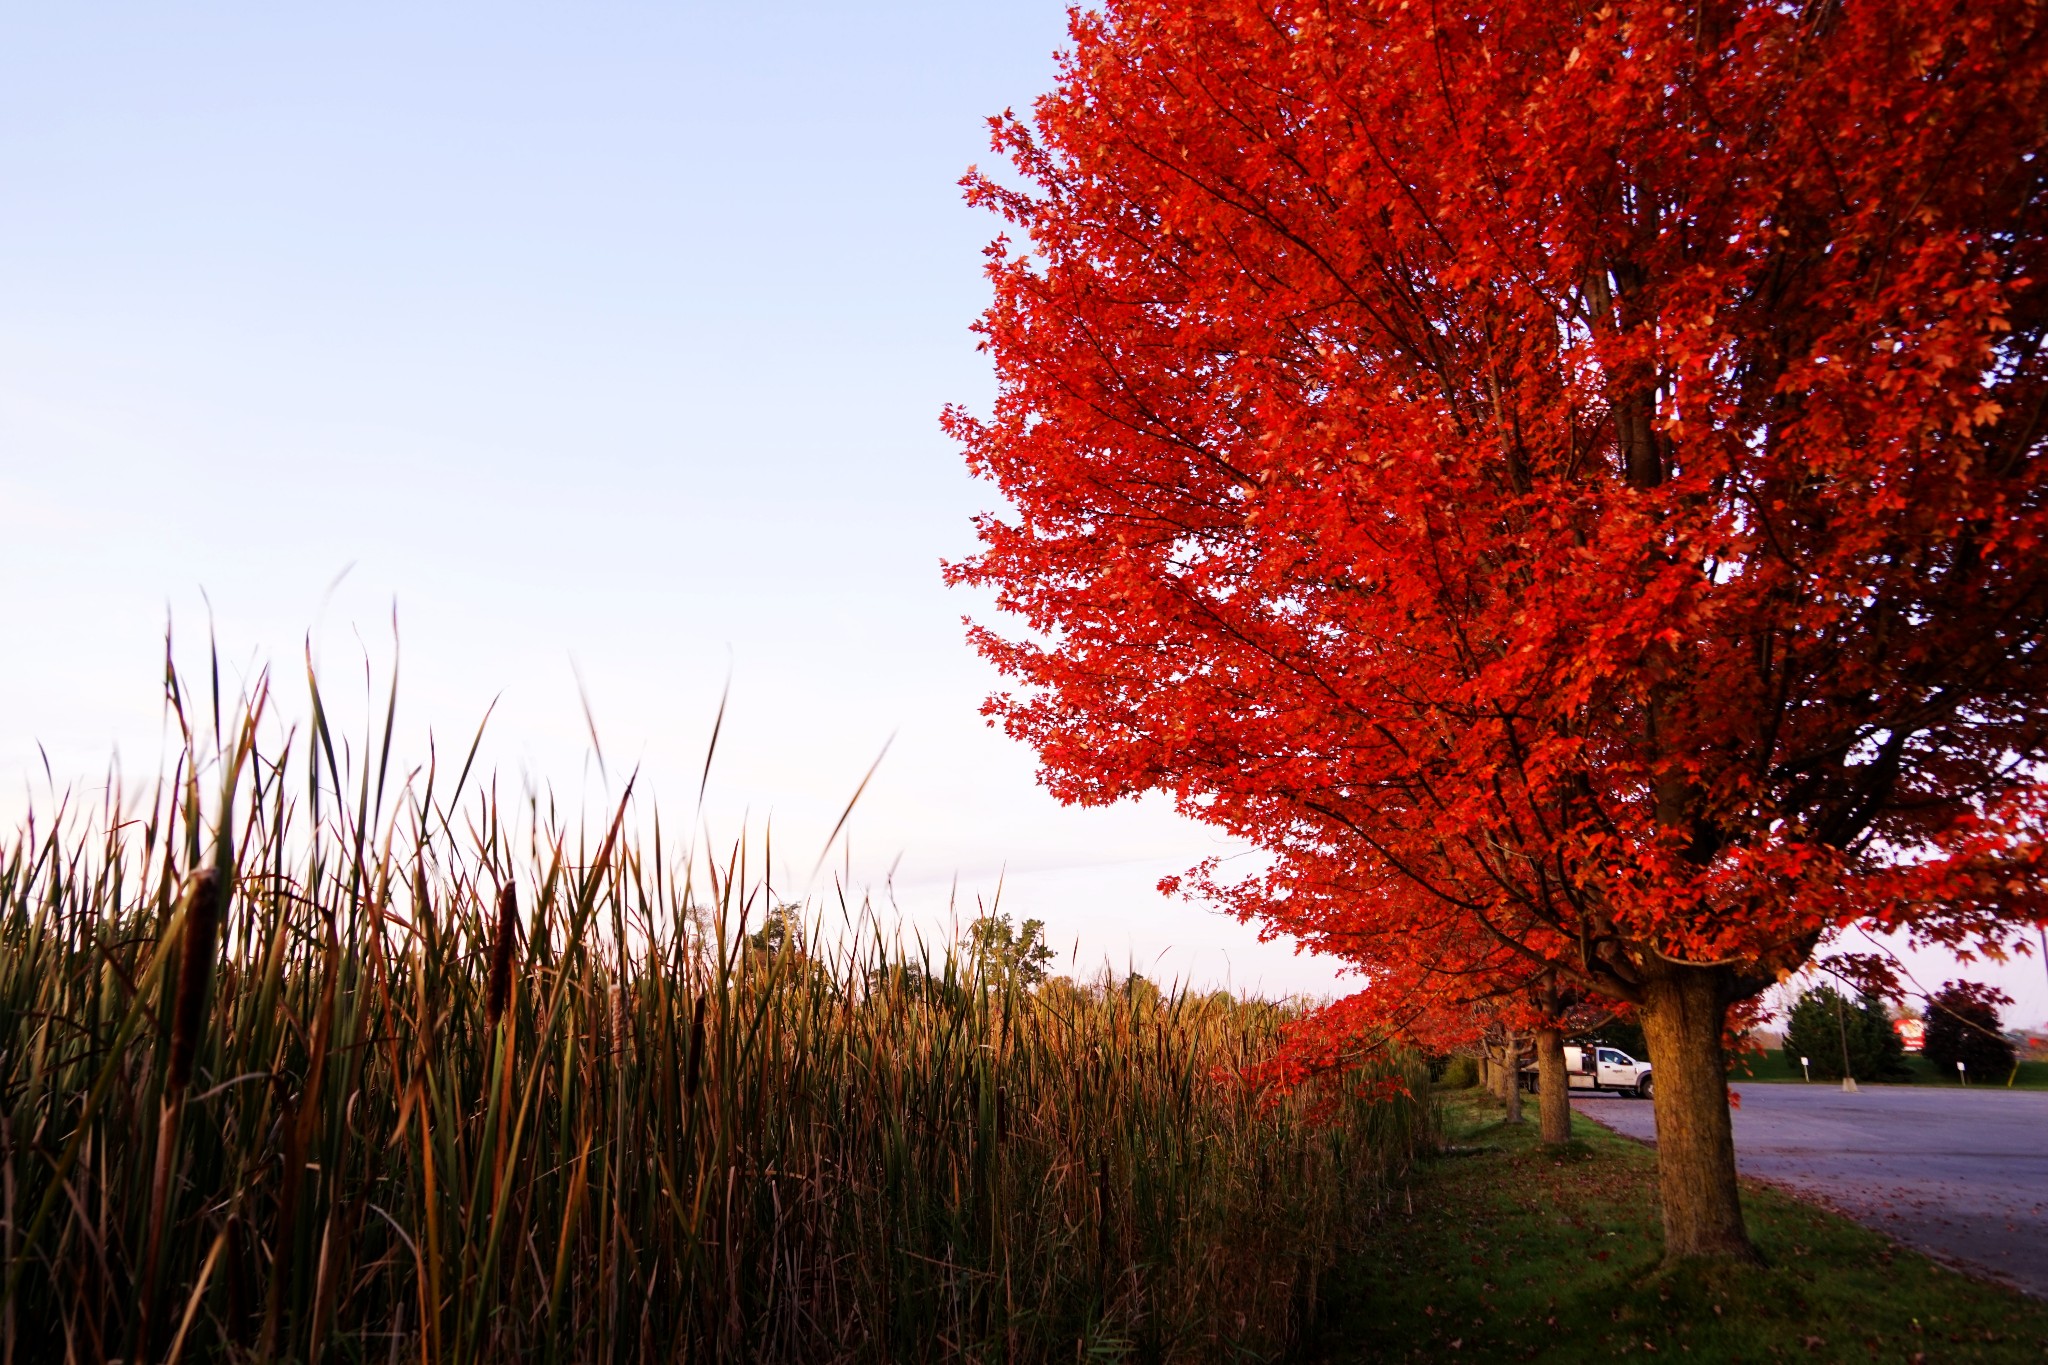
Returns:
(1598, 1067)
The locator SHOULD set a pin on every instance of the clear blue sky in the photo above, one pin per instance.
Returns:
(614, 334)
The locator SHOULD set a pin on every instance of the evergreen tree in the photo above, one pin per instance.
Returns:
(1825, 1024)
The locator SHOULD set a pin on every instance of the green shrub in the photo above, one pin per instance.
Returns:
(1459, 1073)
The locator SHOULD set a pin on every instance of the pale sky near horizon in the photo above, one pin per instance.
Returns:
(607, 341)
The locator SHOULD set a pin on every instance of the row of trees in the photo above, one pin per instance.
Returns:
(1833, 1034)
(995, 951)
(1564, 483)
(1840, 1036)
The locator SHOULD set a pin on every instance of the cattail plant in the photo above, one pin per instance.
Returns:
(504, 945)
(198, 926)
(689, 1147)
(204, 898)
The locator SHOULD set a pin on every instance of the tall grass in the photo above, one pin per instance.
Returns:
(305, 1063)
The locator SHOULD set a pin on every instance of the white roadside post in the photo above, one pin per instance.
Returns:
(1807, 1070)
(1961, 1079)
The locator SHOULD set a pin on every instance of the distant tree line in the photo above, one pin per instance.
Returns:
(1838, 1035)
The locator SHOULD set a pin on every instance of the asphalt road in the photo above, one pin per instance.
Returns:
(1962, 1173)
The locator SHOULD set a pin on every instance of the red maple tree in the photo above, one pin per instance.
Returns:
(1561, 473)
(1464, 995)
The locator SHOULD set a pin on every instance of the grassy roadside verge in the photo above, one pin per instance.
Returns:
(1509, 1252)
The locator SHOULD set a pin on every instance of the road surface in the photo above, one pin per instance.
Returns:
(1962, 1173)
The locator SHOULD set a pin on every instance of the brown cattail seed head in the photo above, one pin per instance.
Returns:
(205, 898)
(693, 1069)
(501, 954)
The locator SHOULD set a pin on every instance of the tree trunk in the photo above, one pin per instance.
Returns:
(1553, 1093)
(1486, 1069)
(1511, 1078)
(1683, 1012)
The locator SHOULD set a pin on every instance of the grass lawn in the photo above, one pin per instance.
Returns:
(1776, 1066)
(1510, 1252)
